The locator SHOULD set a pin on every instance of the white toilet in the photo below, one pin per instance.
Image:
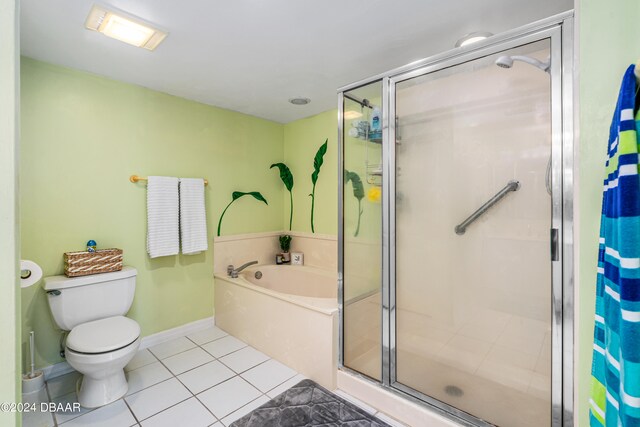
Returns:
(101, 340)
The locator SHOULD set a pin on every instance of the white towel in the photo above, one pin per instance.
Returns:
(193, 218)
(162, 216)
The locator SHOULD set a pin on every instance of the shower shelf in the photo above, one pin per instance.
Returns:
(375, 138)
(374, 174)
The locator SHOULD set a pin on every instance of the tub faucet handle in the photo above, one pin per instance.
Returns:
(233, 272)
(229, 269)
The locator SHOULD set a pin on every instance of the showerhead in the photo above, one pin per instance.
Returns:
(504, 62)
(507, 62)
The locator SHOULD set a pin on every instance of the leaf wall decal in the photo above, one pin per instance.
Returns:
(317, 164)
(287, 178)
(235, 196)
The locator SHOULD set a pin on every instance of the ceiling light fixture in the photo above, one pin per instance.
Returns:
(473, 38)
(299, 101)
(350, 115)
(124, 27)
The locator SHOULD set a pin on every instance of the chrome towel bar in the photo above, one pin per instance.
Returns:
(511, 186)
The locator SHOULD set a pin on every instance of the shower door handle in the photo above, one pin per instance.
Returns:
(554, 245)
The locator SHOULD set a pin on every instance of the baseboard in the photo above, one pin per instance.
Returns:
(56, 370)
(180, 331)
(62, 368)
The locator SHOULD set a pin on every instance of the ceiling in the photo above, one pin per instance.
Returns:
(251, 56)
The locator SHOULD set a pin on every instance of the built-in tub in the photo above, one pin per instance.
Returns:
(290, 314)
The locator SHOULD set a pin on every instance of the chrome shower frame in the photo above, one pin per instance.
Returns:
(559, 30)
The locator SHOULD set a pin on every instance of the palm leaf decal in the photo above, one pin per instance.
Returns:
(285, 174)
(317, 164)
(358, 193)
(287, 178)
(318, 160)
(256, 195)
(235, 196)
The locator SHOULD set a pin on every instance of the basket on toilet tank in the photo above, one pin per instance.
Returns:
(83, 263)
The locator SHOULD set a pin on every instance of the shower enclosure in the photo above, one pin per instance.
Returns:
(455, 231)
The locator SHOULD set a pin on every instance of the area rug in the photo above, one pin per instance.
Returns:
(308, 404)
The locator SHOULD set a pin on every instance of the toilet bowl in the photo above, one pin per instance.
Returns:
(100, 350)
(101, 339)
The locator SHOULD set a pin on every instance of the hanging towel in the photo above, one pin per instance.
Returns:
(615, 382)
(193, 219)
(162, 216)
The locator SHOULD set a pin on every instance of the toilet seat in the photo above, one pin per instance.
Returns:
(103, 335)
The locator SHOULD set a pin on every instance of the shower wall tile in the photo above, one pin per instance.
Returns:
(319, 250)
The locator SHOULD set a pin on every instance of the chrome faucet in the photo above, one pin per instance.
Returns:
(233, 272)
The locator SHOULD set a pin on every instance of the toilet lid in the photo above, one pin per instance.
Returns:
(103, 335)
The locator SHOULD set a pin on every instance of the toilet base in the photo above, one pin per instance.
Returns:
(103, 380)
(96, 392)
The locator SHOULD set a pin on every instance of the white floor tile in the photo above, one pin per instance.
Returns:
(115, 414)
(36, 398)
(188, 413)
(156, 398)
(37, 418)
(244, 359)
(387, 419)
(205, 376)
(190, 359)
(208, 335)
(285, 386)
(147, 376)
(224, 346)
(169, 348)
(359, 403)
(268, 375)
(64, 384)
(63, 417)
(244, 410)
(142, 358)
(229, 396)
(218, 424)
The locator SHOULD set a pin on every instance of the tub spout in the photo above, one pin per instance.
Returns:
(233, 272)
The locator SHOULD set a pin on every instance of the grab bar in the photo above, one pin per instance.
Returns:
(511, 186)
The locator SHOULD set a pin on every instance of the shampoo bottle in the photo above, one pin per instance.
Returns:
(376, 120)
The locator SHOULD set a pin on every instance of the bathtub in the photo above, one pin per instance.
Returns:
(288, 312)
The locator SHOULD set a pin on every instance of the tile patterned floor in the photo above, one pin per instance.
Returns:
(208, 378)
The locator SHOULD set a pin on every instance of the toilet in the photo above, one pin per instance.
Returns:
(101, 340)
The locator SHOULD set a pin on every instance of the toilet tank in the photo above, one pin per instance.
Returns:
(76, 300)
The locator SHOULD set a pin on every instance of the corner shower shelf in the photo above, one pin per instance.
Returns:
(376, 138)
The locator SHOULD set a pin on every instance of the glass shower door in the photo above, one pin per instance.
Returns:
(473, 277)
(362, 238)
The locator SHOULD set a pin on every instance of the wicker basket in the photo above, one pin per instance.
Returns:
(84, 263)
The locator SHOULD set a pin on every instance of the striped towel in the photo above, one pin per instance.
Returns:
(615, 382)
(193, 218)
(162, 216)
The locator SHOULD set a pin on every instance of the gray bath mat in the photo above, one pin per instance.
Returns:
(308, 404)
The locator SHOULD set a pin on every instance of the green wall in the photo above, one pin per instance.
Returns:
(607, 34)
(302, 139)
(83, 136)
(10, 383)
